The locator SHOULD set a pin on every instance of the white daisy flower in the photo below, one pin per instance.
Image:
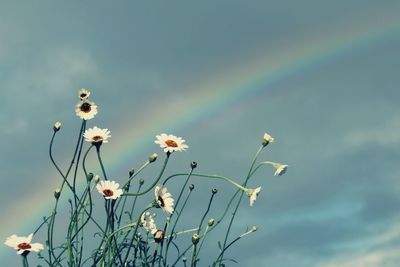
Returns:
(86, 109)
(280, 168)
(84, 94)
(23, 244)
(170, 143)
(164, 199)
(109, 189)
(148, 223)
(252, 194)
(96, 134)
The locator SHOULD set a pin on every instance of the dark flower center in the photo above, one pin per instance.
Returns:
(83, 95)
(97, 138)
(108, 192)
(171, 143)
(160, 201)
(86, 107)
(24, 246)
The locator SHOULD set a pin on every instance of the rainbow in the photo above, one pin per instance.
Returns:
(208, 98)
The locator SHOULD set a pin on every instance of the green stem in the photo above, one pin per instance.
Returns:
(25, 261)
(101, 162)
(240, 199)
(176, 206)
(154, 183)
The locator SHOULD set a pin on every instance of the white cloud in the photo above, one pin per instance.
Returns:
(376, 252)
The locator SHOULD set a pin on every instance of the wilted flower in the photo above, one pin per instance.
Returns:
(252, 194)
(158, 236)
(267, 139)
(84, 94)
(86, 109)
(97, 135)
(23, 244)
(170, 143)
(148, 223)
(109, 189)
(164, 199)
(279, 168)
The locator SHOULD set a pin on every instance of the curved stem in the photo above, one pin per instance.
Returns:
(154, 183)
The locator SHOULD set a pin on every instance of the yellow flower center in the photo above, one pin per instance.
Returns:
(171, 143)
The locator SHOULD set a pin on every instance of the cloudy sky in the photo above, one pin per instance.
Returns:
(320, 76)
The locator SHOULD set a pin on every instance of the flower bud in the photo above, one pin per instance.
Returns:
(193, 164)
(184, 259)
(57, 126)
(57, 193)
(96, 178)
(214, 190)
(158, 236)
(153, 157)
(131, 172)
(191, 187)
(89, 176)
(254, 228)
(210, 222)
(141, 181)
(195, 239)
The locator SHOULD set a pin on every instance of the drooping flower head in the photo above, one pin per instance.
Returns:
(97, 135)
(280, 168)
(84, 94)
(252, 194)
(148, 223)
(164, 199)
(267, 139)
(23, 244)
(109, 189)
(170, 143)
(86, 109)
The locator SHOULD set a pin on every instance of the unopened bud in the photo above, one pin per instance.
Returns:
(57, 126)
(89, 176)
(131, 172)
(254, 228)
(184, 259)
(153, 157)
(214, 190)
(210, 222)
(158, 236)
(193, 165)
(195, 239)
(57, 193)
(96, 178)
(191, 187)
(141, 181)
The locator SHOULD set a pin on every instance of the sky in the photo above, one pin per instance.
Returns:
(320, 76)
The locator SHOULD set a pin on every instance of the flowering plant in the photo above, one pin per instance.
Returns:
(128, 234)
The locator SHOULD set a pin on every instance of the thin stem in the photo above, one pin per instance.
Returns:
(154, 183)
(101, 162)
(240, 199)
